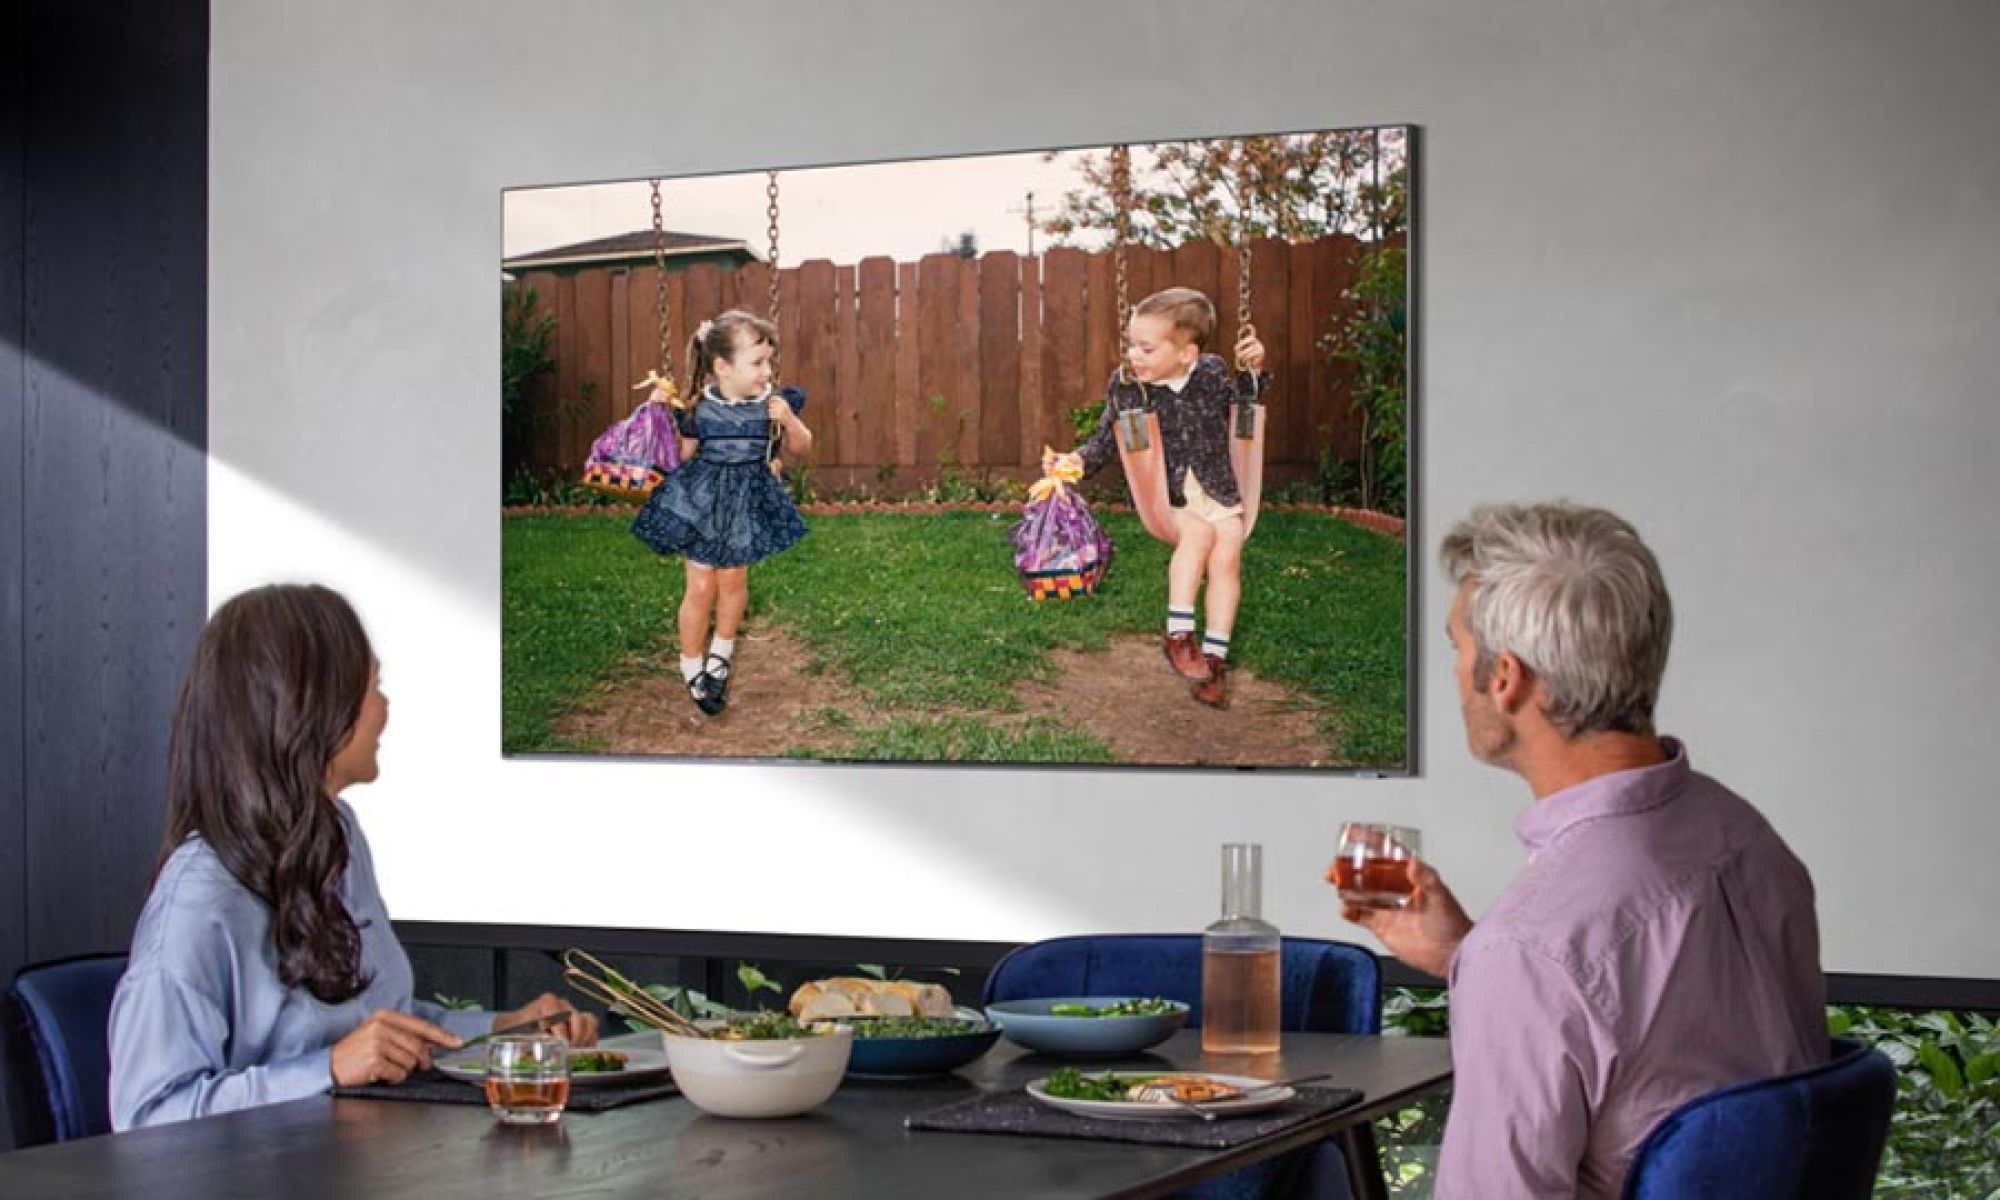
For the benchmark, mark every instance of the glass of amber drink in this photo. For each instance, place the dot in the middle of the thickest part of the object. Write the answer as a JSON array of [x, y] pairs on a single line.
[[1372, 866], [527, 1079]]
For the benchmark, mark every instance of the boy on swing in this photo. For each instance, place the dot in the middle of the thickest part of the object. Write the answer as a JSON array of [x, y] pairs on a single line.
[[1190, 392]]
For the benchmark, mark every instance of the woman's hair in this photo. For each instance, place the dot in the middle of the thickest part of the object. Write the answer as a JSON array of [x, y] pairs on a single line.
[[1190, 312], [721, 337], [276, 686], [1576, 596]]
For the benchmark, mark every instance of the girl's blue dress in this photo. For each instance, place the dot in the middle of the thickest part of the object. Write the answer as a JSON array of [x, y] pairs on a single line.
[[724, 508]]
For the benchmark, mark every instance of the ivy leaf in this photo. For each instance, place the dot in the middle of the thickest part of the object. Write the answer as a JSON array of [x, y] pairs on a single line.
[[1943, 1071], [754, 980]]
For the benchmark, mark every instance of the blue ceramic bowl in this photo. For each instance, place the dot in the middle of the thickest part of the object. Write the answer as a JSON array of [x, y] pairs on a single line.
[[1029, 1023], [919, 1055]]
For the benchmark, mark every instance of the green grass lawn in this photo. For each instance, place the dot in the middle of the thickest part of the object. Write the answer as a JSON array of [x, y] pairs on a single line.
[[924, 615]]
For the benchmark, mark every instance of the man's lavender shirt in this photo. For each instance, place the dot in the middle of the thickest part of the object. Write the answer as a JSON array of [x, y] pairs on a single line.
[[1660, 944]]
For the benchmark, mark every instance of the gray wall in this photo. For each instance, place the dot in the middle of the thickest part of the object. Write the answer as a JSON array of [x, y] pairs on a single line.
[[1731, 269]]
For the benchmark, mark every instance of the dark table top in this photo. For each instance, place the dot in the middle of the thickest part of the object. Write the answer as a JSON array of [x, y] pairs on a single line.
[[853, 1146]]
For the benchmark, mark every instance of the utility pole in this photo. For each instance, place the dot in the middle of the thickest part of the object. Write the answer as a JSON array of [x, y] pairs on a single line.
[[1028, 212]]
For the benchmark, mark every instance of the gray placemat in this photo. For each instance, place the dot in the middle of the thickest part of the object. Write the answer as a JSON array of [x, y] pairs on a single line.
[[1016, 1112], [432, 1088]]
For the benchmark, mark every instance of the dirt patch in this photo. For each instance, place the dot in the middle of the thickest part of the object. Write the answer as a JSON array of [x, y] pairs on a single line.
[[1126, 697], [1130, 699], [775, 705]]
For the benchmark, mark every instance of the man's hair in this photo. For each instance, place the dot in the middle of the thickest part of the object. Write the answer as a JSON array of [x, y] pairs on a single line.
[[1576, 596], [1191, 312]]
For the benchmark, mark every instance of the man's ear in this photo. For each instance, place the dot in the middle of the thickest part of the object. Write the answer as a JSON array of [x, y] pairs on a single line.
[[1510, 682]]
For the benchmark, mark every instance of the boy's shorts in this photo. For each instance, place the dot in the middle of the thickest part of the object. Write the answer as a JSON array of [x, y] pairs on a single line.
[[1203, 505]]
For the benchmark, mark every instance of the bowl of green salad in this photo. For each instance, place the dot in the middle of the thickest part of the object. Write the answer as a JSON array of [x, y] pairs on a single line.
[[899, 1047], [1095, 1026]]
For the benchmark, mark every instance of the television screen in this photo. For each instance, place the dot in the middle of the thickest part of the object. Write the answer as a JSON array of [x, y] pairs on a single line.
[[1090, 456]]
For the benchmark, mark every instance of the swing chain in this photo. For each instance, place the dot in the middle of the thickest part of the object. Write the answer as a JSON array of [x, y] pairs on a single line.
[[1243, 322], [1121, 194], [660, 295], [771, 231]]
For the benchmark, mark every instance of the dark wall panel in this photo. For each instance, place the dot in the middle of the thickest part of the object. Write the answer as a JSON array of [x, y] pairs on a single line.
[[13, 816], [113, 474], [103, 433]]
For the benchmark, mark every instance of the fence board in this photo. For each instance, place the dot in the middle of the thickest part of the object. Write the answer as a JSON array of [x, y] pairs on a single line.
[[968, 396], [642, 322], [812, 363], [1035, 431], [593, 351], [1333, 274], [876, 401], [1300, 370], [562, 294], [618, 398], [937, 316], [908, 385], [999, 334], [1103, 340], [1063, 337], [846, 412]]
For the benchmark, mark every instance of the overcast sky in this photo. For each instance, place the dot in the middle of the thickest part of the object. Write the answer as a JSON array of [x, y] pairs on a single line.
[[904, 210]]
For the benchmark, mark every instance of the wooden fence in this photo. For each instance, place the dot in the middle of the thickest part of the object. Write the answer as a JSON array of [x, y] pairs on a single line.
[[948, 363]]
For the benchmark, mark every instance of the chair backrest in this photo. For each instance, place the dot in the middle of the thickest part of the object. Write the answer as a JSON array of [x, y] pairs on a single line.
[[64, 1011], [1328, 987], [1817, 1133]]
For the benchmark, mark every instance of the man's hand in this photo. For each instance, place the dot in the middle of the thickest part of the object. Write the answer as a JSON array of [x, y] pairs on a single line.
[[1424, 933], [579, 1030], [386, 1047]]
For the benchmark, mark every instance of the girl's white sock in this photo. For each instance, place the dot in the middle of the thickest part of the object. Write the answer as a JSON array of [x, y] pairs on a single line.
[[690, 667], [723, 648]]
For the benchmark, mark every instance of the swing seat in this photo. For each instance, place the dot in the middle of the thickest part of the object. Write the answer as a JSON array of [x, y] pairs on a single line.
[[1145, 462]]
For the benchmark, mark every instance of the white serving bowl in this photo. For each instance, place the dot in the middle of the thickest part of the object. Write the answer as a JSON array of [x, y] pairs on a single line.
[[781, 1077]]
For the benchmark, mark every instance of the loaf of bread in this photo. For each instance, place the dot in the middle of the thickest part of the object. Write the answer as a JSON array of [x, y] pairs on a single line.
[[850, 996]]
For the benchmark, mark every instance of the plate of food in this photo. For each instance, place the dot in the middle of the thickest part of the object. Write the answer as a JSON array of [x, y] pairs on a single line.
[[1146, 1096], [587, 1068], [1088, 1025]]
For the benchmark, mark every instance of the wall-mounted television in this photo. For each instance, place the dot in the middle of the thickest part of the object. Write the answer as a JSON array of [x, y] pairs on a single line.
[[880, 503]]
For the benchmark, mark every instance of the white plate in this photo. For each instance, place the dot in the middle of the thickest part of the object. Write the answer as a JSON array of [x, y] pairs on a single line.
[[1147, 1110], [640, 1066]]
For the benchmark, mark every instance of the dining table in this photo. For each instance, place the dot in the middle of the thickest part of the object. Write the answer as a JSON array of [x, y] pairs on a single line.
[[857, 1144]]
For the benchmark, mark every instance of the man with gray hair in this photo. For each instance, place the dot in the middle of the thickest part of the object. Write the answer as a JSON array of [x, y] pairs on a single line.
[[1661, 941]]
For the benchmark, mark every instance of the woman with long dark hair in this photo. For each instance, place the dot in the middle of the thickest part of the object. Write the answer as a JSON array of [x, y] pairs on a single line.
[[263, 967]]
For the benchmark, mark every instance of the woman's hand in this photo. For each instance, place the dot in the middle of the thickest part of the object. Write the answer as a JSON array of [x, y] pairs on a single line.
[[578, 1030], [386, 1047], [1424, 933]]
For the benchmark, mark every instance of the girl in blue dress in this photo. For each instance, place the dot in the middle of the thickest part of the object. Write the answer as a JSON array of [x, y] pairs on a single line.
[[725, 507]]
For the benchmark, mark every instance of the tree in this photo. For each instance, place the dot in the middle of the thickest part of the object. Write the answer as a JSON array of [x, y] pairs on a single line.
[[965, 245], [1297, 187]]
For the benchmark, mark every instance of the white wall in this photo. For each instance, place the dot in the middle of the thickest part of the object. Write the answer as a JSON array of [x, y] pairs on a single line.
[[1730, 269]]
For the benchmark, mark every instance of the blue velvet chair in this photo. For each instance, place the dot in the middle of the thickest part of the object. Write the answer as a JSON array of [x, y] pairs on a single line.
[[58, 1039], [1818, 1134], [1328, 987]]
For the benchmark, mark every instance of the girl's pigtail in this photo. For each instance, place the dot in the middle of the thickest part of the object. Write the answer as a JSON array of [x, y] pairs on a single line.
[[697, 358]]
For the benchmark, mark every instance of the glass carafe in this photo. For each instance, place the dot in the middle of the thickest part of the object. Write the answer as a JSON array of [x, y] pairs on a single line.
[[1239, 963]]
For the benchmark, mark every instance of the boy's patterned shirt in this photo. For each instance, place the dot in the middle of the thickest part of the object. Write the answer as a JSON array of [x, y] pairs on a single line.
[[1194, 428]]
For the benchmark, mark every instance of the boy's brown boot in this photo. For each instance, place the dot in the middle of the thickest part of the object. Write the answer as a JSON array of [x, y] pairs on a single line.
[[1214, 691], [1185, 657]]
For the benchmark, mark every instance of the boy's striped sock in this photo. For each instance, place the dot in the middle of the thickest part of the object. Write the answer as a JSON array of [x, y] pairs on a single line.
[[1180, 620], [1216, 644]]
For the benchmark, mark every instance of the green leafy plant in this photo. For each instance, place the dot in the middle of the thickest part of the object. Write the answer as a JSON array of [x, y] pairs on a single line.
[[1945, 1137], [459, 1003], [1371, 335], [527, 356]]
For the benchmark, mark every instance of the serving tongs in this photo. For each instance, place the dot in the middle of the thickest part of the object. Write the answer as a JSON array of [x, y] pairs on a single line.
[[587, 975]]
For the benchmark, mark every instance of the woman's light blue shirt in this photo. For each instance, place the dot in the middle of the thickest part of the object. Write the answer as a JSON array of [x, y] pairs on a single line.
[[201, 1024]]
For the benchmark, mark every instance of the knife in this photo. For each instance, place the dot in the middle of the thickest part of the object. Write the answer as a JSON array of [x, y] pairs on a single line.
[[530, 1026]]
